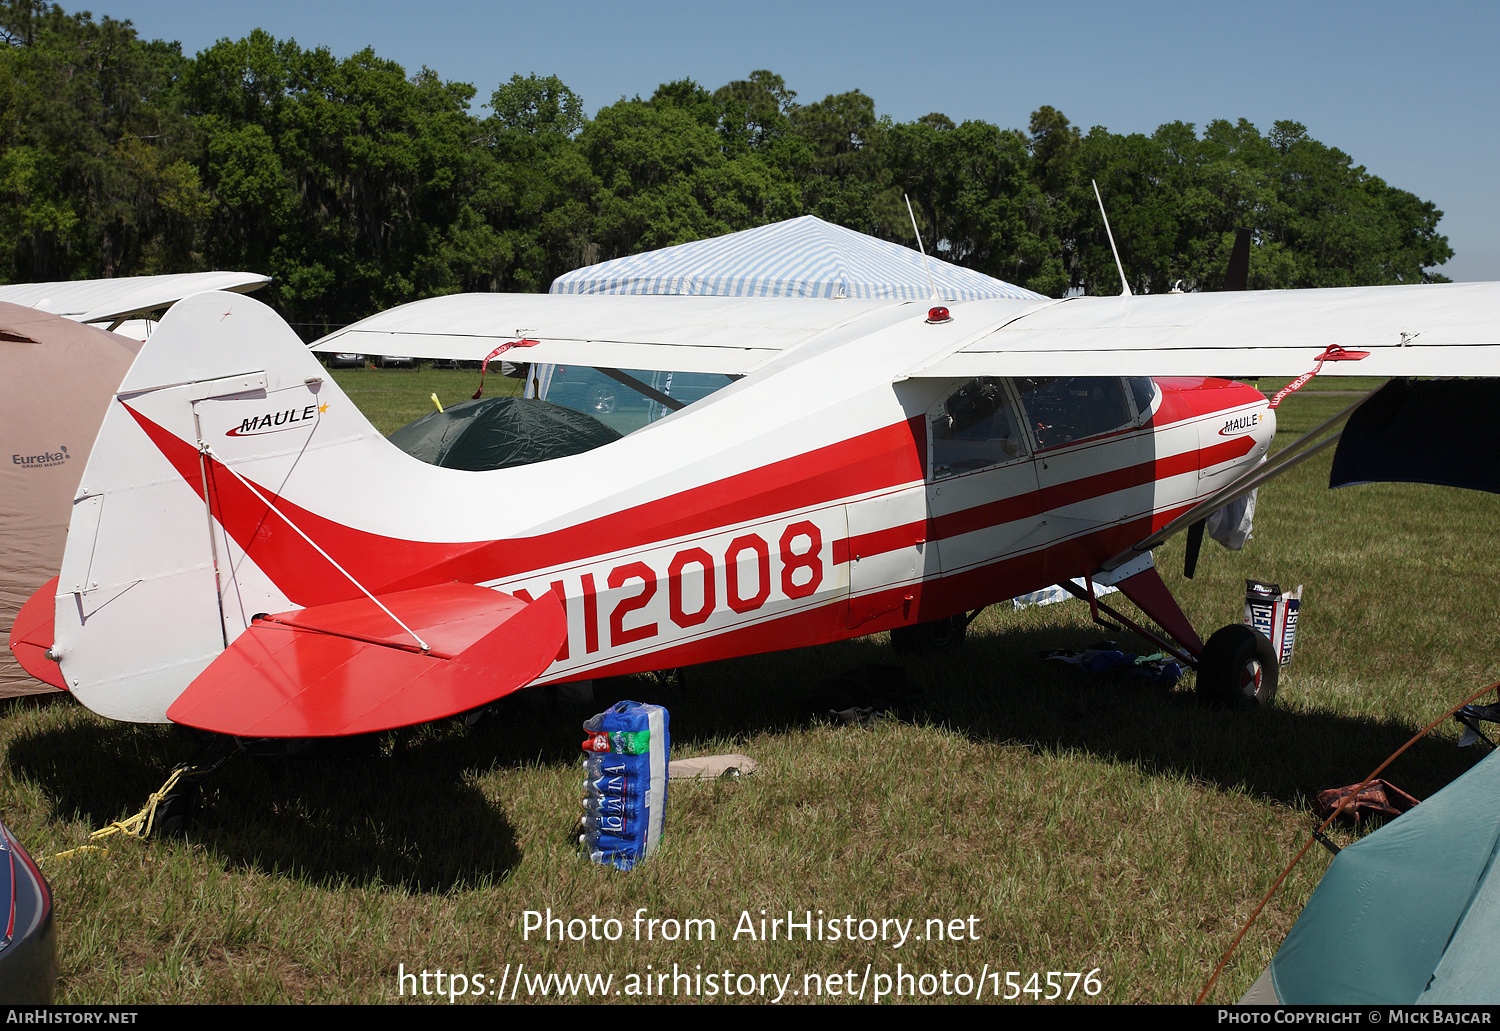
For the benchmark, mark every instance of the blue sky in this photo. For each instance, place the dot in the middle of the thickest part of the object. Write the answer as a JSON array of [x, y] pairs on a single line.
[[1409, 92]]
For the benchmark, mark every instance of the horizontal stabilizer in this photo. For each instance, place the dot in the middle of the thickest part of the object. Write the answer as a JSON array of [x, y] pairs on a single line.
[[349, 668], [31, 636]]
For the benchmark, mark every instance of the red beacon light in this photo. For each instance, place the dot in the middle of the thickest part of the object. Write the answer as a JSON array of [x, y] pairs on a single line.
[[938, 314]]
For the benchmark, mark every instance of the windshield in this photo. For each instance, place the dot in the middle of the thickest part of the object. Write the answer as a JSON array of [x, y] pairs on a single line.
[[618, 405]]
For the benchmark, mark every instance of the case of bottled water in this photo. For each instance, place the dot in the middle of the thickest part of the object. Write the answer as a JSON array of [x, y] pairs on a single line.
[[625, 783]]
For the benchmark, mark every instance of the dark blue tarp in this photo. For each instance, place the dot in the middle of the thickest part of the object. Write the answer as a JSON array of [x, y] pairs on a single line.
[[500, 432], [1424, 431]]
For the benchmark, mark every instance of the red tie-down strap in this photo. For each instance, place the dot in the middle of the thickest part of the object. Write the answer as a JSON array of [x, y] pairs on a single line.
[[484, 366], [1333, 353]]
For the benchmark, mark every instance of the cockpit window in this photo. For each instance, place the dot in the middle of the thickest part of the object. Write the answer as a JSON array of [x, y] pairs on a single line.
[[1143, 391], [1068, 408], [974, 428]]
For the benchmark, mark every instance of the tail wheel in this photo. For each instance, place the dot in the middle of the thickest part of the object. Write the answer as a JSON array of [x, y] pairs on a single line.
[[174, 814], [937, 635], [1239, 668]]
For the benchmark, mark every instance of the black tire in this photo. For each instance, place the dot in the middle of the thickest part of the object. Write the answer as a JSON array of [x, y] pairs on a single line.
[[937, 635], [175, 812], [1239, 668]]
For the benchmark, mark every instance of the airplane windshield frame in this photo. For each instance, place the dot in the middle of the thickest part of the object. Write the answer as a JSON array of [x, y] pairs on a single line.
[[610, 397]]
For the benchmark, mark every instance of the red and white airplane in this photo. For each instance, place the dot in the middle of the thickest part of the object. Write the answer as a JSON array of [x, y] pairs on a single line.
[[248, 555]]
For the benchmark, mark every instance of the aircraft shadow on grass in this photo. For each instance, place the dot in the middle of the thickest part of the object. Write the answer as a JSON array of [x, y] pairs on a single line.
[[996, 689], [403, 809], [356, 811]]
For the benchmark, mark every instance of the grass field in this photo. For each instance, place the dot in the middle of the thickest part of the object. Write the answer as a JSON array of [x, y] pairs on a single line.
[[1060, 821]]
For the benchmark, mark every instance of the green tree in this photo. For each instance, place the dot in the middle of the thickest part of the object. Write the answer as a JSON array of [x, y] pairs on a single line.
[[1334, 224], [846, 179], [973, 187], [665, 177], [1175, 200], [97, 169], [354, 186], [357, 186], [541, 189], [535, 104], [754, 114]]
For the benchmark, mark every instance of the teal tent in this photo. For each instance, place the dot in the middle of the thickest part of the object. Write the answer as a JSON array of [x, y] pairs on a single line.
[[1409, 914]]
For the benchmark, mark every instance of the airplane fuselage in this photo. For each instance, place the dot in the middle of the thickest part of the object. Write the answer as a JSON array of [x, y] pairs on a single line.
[[864, 536], [824, 496]]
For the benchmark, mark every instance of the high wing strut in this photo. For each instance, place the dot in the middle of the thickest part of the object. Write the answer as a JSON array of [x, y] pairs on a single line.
[[642, 388]]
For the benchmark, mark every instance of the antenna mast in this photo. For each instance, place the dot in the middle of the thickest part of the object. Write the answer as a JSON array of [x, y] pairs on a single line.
[[926, 262], [1124, 286]]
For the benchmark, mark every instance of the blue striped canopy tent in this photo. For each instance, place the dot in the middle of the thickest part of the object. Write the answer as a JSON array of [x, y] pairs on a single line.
[[801, 257]]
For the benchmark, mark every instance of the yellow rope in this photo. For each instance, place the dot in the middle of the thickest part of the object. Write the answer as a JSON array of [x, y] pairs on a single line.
[[78, 851], [137, 826]]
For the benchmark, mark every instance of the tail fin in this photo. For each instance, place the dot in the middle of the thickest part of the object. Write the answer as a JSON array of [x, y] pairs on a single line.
[[179, 533]]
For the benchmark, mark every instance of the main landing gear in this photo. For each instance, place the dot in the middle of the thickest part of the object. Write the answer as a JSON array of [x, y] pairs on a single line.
[[1239, 667], [937, 635]]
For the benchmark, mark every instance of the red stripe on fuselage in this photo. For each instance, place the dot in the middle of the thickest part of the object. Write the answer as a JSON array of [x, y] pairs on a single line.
[[1033, 503], [878, 542], [936, 598], [873, 461], [886, 457], [1086, 488]]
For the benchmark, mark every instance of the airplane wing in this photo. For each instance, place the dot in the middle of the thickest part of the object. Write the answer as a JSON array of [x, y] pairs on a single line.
[[730, 335], [1427, 330], [1448, 329], [105, 300]]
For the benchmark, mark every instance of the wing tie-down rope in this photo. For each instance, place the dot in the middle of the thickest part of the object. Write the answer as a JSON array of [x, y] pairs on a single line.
[[142, 823]]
